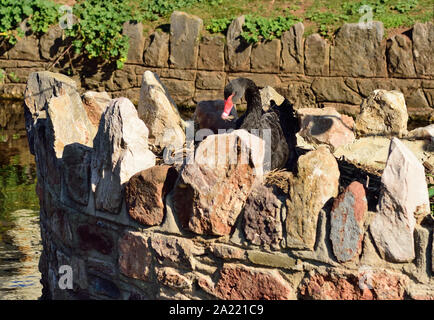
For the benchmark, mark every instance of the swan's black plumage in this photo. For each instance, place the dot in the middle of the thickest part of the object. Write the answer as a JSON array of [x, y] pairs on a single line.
[[256, 118]]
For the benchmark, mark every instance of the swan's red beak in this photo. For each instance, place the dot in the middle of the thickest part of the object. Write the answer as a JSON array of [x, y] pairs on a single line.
[[228, 107]]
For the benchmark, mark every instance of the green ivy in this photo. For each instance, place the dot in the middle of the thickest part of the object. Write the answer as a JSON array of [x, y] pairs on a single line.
[[257, 29], [218, 25], [40, 13], [98, 31]]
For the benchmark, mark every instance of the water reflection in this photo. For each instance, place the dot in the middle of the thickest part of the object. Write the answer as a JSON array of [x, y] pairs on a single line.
[[20, 242]]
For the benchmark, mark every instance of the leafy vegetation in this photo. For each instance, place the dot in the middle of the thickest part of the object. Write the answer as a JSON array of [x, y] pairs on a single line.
[[256, 28], [41, 14], [97, 30], [431, 195]]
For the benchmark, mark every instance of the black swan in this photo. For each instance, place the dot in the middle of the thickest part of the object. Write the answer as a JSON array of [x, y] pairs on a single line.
[[208, 116], [277, 118]]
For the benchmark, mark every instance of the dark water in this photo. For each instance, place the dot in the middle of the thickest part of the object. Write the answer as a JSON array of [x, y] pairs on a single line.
[[20, 243]]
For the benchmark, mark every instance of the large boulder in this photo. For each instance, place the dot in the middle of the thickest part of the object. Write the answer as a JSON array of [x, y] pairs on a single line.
[[359, 51], [120, 151], [316, 182], [325, 126], [404, 194], [383, 113], [184, 39], [213, 188], [160, 114], [95, 103]]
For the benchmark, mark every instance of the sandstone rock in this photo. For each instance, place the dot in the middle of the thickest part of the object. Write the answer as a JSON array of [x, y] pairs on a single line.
[[95, 103], [25, 49], [237, 49], [400, 57], [51, 42], [292, 50], [334, 90], [316, 55], [157, 54], [242, 283], [316, 182], [266, 56], [134, 31], [212, 53], [213, 188], [299, 94], [347, 218], [184, 39], [145, 193], [372, 151], [174, 251], [274, 260], [160, 114], [135, 256], [423, 51], [268, 94], [227, 252], [423, 133], [359, 51], [173, 279], [262, 217], [383, 113], [121, 150], [405, 194], [325, 126], [370, 285]]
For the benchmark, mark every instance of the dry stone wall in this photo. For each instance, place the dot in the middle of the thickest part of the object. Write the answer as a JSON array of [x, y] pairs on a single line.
[[212, 228], [309, 71]]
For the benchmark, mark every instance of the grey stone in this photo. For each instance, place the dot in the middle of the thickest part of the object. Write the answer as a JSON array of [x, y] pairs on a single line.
[[237, 49], [266, 56], [51, 42], [160, 114], [25, 49], [157, 53], [184, 39], [212, 53], [359, 51], [134, 31], [121, 150], [334, 90], [293, 50], [423, 49], [316, 55], [400, 57]]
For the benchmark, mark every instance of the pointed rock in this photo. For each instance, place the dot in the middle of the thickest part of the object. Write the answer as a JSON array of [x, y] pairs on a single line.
[[160, 114], [121, 150], [405, 194], [237, 49]]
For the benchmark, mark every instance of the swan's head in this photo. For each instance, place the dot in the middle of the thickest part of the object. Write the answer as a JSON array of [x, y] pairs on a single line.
[[233, 93]]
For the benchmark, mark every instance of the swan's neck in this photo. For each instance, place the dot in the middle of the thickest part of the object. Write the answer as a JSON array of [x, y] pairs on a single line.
[[254, 106]]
